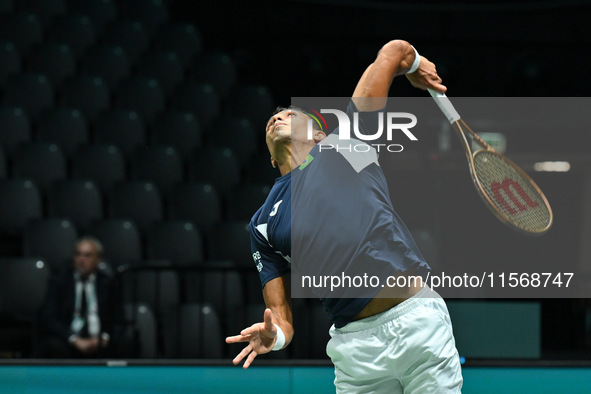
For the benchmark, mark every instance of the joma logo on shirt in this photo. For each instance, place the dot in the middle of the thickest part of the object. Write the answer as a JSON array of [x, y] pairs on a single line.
[[275, 207]]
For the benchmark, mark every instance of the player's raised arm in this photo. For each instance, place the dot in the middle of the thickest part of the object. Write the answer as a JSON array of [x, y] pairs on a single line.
[[276, 330], [396, 58]]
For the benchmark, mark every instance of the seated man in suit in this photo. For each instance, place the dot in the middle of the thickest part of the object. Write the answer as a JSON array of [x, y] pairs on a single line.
[[82, 315]]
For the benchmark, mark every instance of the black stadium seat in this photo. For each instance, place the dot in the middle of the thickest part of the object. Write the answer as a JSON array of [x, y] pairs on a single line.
[[20, 201], [218, 70], [138, 201], [75, 30], [16, 128], [199, 203], [102, 163], [22, 287], [55, 60], [181, 38], [100, 12], [108, 62], [32, 92], [151, 13], [52, 240], [164, 66], [10, 60], [41, 162], [161, 165], [179, 129], [23, 29], [230, 240], [78, 200], [130, 35], [65, 127], [198, 98], [87, 93], [142, 95], [121, 240], [122, 128], [177, 241], [45, 10], [218, 166]]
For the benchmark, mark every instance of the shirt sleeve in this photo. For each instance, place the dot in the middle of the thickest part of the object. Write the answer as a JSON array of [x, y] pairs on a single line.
[[369, 121], [270, 264]]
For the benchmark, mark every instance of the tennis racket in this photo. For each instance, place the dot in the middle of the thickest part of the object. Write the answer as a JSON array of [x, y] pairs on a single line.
[[504, 187]]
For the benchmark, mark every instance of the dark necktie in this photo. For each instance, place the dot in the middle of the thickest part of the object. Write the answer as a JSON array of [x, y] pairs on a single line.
[[84, 312]]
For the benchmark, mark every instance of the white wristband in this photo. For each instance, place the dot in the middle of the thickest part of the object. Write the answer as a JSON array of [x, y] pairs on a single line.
[[415, 64], [280, 342]]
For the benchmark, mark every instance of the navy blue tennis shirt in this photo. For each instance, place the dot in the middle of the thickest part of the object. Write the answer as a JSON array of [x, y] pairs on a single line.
[[332, 216]]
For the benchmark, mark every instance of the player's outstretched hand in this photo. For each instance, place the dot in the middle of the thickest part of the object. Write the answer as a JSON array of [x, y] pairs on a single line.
[[260, 337], [426, 77]]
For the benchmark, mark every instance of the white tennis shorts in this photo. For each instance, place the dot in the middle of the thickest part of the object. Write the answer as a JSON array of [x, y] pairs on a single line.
[[407, 349]]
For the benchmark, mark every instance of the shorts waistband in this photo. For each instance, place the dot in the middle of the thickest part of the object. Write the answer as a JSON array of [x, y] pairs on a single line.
[[393, 313]]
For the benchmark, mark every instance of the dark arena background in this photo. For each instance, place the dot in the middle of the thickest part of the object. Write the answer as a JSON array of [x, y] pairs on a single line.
[[141, 122]]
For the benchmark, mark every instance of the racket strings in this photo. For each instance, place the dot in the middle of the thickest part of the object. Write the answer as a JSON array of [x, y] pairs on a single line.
[[512, 194]]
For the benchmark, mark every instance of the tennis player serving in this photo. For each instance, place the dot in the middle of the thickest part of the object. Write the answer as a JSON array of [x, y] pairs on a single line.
[[336, 207]]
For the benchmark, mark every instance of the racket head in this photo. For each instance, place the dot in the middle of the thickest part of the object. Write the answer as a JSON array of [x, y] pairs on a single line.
[[510, 193], [507, 190]]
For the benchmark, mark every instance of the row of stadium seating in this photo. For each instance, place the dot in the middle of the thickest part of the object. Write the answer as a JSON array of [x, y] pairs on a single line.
[[116, 122]]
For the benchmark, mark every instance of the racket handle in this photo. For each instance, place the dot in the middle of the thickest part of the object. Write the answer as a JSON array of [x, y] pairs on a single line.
[[445, 106]]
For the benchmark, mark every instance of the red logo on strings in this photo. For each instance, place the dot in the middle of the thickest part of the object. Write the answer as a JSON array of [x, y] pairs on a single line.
[[506, 186]]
